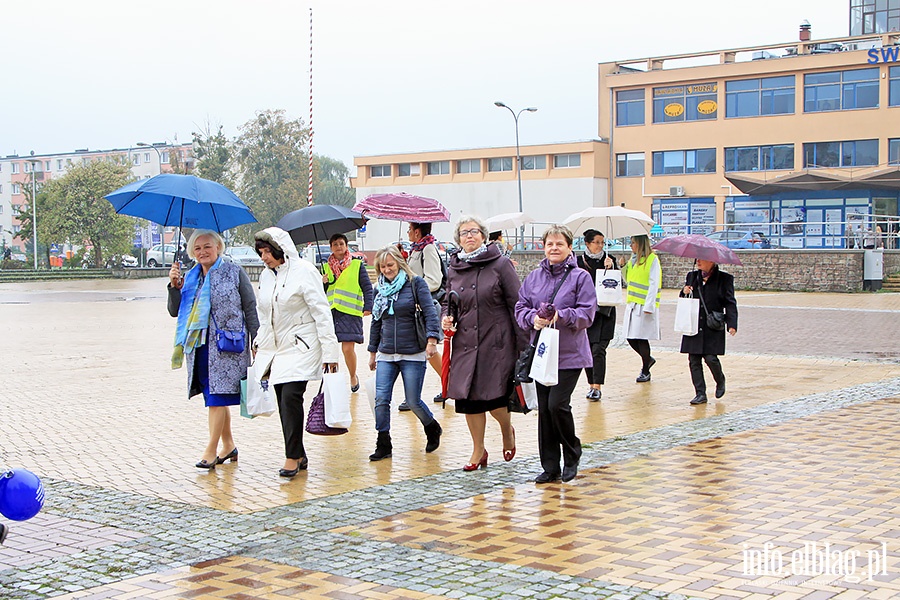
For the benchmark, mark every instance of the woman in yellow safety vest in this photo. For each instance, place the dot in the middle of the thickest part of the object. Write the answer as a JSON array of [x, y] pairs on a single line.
[[641, 324], [349, 292]]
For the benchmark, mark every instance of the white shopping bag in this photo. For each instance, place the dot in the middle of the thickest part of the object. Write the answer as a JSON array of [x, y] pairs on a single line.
[[370, 393], [260, 395], [687, 316], [545, 367], [337, 400], [609, 287], [529, 391]]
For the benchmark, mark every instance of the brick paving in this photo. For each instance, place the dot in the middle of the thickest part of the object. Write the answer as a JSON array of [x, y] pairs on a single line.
[[667, 494]]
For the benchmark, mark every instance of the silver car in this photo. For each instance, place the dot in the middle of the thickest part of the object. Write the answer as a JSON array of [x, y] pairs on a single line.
[[244, 256]]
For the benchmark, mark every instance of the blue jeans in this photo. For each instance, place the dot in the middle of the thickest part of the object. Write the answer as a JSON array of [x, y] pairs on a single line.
[[413, 372]]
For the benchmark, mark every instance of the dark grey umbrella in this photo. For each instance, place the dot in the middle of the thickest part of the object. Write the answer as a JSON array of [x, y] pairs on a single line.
[[319, 222]]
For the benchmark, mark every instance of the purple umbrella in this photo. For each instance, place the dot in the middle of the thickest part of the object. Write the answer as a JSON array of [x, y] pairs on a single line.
[[402, 207], [698, 246]]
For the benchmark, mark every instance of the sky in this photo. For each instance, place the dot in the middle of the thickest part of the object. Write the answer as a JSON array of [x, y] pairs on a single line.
[[388, 77]]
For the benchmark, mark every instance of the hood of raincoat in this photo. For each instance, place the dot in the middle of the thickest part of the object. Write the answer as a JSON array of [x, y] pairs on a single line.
[[280, 239]]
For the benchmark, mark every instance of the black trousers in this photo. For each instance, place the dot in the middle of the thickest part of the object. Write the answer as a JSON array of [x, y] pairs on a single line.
[[695, 362], [597, 373], [556, 426], [642, 347], [290, 409]]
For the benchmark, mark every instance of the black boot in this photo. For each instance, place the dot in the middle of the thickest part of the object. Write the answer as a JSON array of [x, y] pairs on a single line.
[[383, 446], [695, 362], [715, 366], [433, 432], [700, 398]]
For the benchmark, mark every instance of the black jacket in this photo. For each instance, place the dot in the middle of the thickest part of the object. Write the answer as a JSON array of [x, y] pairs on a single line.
[[396, 333], [718, 293], [604, 325]]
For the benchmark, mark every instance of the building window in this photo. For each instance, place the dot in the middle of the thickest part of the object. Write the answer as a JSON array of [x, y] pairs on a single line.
[[841, 90], [146, 157], [695, 102], [630, 164], [16, 189], [894, 151], [409, 169], [15, 168], [874, 16], [564, 161], [380, 171], [164, 157], [439, 167], [894, 89], [629, 108], [500, 164], [678, 162], [533, 163], [759, 158], [470, 165], [59, 164], [136, 159], [1, 191], [858, 153], [755, 97]]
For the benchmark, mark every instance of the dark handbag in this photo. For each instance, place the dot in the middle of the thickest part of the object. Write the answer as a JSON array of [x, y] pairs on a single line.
[[516, 400], [315, 419], [526, 356], [715, 320], [421, 335], [229, 341]]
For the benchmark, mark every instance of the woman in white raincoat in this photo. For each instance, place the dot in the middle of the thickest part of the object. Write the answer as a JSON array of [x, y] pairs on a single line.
[[296, 340], [641, 322]]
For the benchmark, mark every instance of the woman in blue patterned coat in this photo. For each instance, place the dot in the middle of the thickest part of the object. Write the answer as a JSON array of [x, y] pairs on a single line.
[[214, 294]]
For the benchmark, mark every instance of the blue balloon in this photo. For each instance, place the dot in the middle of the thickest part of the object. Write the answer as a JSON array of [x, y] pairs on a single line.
[[21, 494]]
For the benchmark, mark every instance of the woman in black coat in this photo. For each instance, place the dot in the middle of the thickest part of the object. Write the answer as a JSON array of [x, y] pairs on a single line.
[[603, 329], [717, 291]]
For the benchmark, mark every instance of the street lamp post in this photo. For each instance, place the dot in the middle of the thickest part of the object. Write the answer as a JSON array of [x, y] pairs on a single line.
[[518, 160], [34, 237], [162, 237]]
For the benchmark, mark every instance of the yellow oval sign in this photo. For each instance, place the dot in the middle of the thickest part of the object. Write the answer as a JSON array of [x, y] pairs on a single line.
[[707, 107], [673, 110]]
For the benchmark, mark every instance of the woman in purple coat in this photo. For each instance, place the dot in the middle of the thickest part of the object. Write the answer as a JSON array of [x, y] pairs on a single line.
[[572, 311], [484, 286]]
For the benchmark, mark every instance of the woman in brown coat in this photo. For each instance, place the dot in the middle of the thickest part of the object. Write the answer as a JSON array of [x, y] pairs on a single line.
[[484, 345]]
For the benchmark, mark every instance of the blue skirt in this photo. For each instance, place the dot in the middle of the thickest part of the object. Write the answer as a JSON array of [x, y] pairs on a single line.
[[202, 365]]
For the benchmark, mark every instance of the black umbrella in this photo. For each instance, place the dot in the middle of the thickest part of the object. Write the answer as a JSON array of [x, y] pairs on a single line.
[[319, 222]]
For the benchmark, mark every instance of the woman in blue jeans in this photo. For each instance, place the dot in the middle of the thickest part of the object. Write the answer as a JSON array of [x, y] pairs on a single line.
[[394, 347]]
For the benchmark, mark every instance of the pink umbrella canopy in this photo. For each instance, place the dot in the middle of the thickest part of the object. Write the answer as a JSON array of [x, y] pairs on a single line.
[[698, 246], [403, 207]]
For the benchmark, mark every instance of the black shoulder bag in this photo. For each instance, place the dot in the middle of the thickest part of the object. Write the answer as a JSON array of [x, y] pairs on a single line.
[[526, 357], [714, 320], [421, 332]]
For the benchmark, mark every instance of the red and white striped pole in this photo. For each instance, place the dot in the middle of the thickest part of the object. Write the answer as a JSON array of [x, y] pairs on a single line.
[[309, 196]]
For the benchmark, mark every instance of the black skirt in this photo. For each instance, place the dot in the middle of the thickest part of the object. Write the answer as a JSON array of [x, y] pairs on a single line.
[[478, 407]]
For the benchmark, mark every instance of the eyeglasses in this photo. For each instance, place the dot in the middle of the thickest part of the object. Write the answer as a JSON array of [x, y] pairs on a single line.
[[467, 232]]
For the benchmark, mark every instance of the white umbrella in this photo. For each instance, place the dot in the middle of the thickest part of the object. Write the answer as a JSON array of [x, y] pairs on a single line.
[[507, 221], [612, 221]]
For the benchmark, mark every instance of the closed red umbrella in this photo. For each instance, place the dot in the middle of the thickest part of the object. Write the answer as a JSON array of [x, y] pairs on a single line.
[[453, 313]]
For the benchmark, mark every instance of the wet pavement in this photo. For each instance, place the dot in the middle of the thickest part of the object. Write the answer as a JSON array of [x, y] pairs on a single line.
[[671, 500]]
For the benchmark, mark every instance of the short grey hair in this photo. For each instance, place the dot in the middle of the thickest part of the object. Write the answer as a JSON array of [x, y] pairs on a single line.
[[470, 219], [559, 230], [200, 233]]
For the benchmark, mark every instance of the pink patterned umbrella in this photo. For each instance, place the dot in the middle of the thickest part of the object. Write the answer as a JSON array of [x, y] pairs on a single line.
[[402, 207], [698, 246]]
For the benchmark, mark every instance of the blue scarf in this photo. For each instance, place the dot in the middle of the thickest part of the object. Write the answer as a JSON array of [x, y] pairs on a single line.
[[193, 313], [387, 294]]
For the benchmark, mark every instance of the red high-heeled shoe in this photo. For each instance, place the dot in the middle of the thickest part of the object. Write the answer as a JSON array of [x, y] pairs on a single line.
[[474, 466], [508, 455]]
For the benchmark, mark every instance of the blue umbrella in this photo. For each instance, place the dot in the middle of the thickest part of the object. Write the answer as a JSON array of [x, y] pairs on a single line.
[[182, 201]]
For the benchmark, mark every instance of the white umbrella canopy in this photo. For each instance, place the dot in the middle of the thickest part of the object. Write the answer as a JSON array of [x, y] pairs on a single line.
[[612, 221], [507, 221]]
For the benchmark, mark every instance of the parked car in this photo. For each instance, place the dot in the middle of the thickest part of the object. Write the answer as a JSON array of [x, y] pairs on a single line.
[[244, 256], [321, 256], [155, 255], [738, 239], [355, 252], [445, 248], [124, 260]]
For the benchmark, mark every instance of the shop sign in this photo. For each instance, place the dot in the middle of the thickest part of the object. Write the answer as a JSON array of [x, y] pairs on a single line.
[[886, 55], [707, 107], [673, 110]]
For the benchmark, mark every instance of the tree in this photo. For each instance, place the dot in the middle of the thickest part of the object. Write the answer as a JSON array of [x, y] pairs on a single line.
[[213, 152], [331, 182], [73, 209], [271, 160]]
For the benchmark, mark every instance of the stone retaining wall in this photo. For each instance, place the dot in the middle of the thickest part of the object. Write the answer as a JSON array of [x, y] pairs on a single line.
[[775, 270]]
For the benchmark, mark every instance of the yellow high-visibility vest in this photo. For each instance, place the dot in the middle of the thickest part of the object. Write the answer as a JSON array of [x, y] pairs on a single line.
[[345, 294], [638, 276]]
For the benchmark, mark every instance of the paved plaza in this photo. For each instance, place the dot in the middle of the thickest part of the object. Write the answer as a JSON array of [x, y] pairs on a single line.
[[786, 487]]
